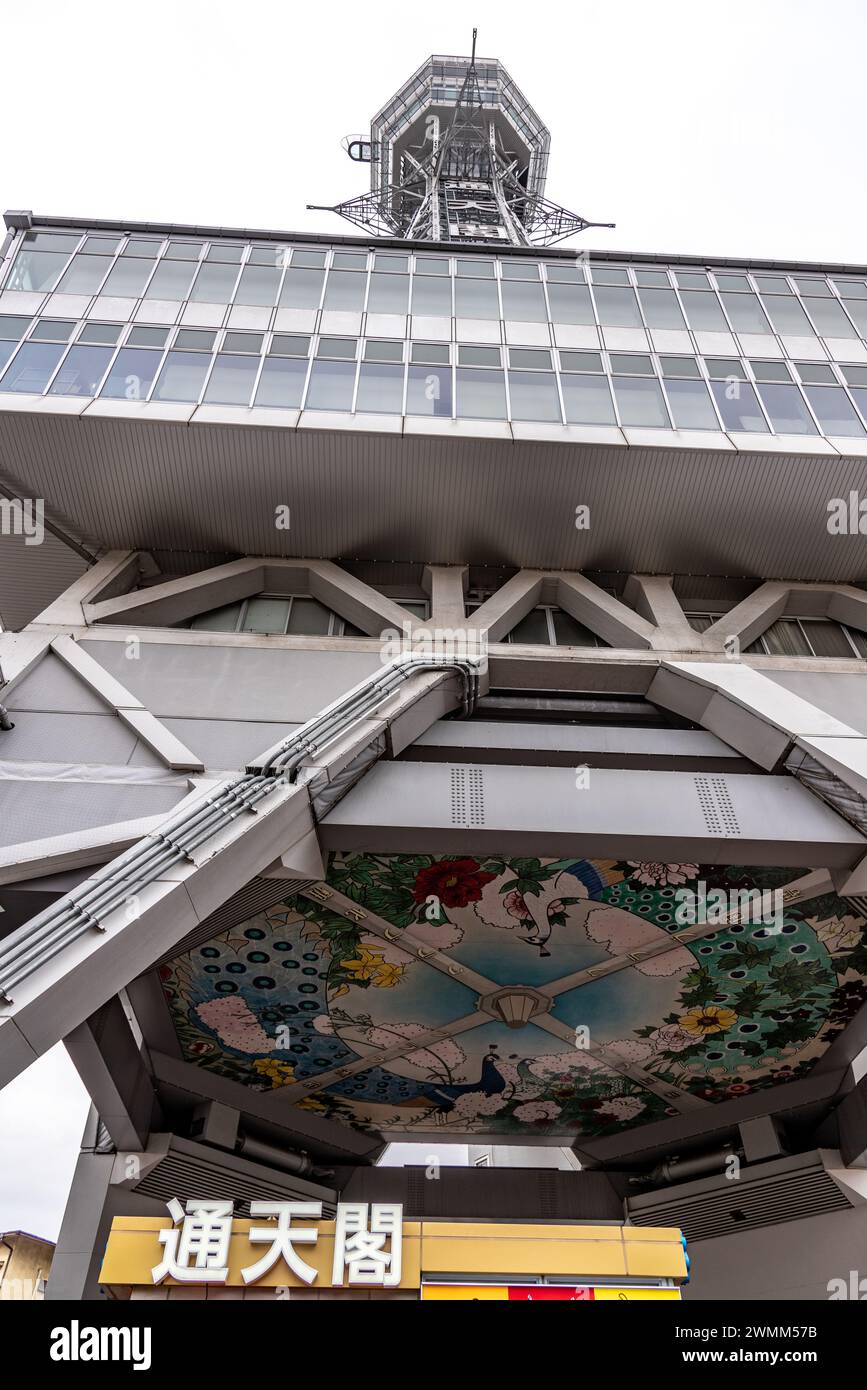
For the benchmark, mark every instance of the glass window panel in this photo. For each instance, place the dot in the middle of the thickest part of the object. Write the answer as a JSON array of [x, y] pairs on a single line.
[[570, 304], [220, 251], [860, 640], [534, 396], [699, 622], [331, 385], [30, 369], [6, 351], [102, 333], [36, 270], [182, 376], [429, 391], [282, 382], [430, 352], [829, 319], [139, 247], [265, 615], [787, 316], [816, 372], [566, 272], [394, 265], [772, 284], [661, 309], [380, 388], [852, 289], [231, 381], [725, 367], [745, 313], [785, 638], [570, 633], [733, 282], [309, 618], [223, 619], [184, 250], [771, 371], [53, 331], [640, 402], [538, 358], [381, 350], [857, 309], [430, 265], [533, 629], [617, 308], [787, 409], [859, 395], [679, 366], [834, 410], [388, 294], [344, 291], [703, 311], [132, 374], [302, 289], [171, 280], [289, 345], [128, 277], [813, 287], [656, 279], [692, 280], [738, 406], [202, 339], [81, 372], [524, 301], [632, 363], [476, 299], [855, 376], [258, 285], [13, 326], [214, 284], [147, 337], [519, 270], [609, 275], [243, 342], [478, 356], [484, 269], [276, 255], [431, 296], [308, 258], [580, 361], [827, 639], [350, 260], [336, 347], [481, 394], [691, 405], [52, 241], [85, 274], [587, 400]]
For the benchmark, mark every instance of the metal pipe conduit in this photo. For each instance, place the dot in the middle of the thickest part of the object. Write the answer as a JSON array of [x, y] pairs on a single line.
[[123, 879]]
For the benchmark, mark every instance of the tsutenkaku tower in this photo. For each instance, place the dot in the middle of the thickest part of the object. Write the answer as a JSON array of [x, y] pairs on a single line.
[[458, 155]]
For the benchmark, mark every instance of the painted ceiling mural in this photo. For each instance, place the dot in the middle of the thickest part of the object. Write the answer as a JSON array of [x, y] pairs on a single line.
[[479, 996]]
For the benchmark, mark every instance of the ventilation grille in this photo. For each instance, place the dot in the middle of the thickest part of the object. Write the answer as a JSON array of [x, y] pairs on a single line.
[[745, 1205], [188, 1176], [716, 806], [468, 795], [859, 904]]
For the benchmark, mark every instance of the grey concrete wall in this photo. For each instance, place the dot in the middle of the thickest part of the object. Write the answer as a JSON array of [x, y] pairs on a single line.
[[793, 1261]]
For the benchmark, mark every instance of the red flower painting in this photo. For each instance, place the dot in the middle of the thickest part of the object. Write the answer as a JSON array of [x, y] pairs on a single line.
[[455, 882]]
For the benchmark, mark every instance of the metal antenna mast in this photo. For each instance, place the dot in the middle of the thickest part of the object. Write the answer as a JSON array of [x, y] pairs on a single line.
[[458, 155]]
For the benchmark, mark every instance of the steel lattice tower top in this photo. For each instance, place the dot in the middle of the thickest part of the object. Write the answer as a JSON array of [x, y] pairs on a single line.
[[458, 155]]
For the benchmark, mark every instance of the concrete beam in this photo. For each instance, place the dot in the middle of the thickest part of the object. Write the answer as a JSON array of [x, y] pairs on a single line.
[[605, 615], [109, 1062]]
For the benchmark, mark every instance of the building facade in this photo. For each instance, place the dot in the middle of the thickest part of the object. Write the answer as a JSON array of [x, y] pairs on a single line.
[[433, 708]]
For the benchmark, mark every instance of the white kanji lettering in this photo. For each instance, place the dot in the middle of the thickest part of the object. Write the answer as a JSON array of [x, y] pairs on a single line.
[[283, 1238], [200, 1232], [360, 1235]]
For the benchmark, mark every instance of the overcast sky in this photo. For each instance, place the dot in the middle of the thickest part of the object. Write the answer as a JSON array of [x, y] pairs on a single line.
[[731, 130]]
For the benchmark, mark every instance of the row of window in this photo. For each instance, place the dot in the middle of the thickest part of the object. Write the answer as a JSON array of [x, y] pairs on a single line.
[[546, 625], [629, 389], [481, 288]]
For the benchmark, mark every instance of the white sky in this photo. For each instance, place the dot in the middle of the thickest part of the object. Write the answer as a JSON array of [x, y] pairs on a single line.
[[733, 129]]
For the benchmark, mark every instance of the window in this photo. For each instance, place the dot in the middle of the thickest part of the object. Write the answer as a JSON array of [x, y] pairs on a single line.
[[37, 270], [549, 626], [282, 381], [587, 399], [232, 380], [383, 350], [692, 280], [182, 376], [85, 274], [331, 384], [128, 277], [739, 407], [570, 303], [132, 374], [171, 280], [679, 366], [771, 371], [610, 275], [30, 369], [809, 637], [258, 285], [703, 312], [524, 301], [534, 396], [214, 284], [617, 308], [661, 309], [746, 314], [147, 337], [389, 293], [691, 405], [787, 316], [243, 342], [476, 299], [787, 409], [302, 288], [344, 291], [655, 279], [481, 394], [834, 410], [640, 402], [380, 388], [429, 389], [430, 296], [829, 319], [81, 372], [106, 334], [269, 614]]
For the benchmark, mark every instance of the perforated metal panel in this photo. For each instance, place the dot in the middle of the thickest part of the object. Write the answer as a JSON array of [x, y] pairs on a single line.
[[716, 806], [467, 795]]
